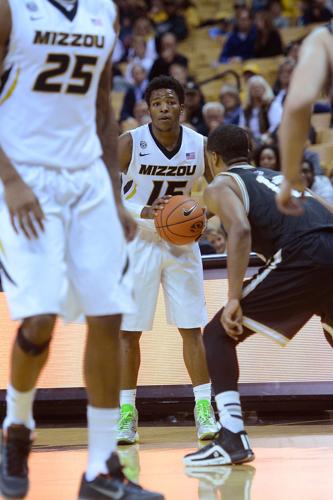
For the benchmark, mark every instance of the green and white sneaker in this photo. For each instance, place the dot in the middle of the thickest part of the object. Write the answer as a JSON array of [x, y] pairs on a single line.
[[205, 420], [128, 425]]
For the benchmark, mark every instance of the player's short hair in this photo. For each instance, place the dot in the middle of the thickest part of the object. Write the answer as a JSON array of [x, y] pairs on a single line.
[[230, 142], [165, 82]]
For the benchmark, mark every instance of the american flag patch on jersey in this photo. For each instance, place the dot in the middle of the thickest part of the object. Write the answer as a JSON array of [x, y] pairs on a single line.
[[190, 156]]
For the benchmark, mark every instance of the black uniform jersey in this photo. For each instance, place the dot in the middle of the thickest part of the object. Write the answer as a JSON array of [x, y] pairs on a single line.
[[270, 229]]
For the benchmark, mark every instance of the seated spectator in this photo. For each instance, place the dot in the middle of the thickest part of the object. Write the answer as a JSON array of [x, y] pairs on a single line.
[[316, 12], [240, 43], [267, 156], [319, 184], [256, 110], [278, 19], [137, 56], [268, 40], [168, 55], [281, 85], [250, 69], [217, 238], [194, 102], [135, 92], [140, 117], [213, 114], [180, 73], [230, 99], [157, 12], [143, 28], [174, 23], [129, 12]]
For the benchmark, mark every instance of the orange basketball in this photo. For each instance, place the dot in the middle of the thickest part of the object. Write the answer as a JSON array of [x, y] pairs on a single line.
[[181, 221]]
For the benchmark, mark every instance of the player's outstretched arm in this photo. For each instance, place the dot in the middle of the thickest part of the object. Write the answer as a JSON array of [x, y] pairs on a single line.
[[223, 198], [309, 78], [22, 204]]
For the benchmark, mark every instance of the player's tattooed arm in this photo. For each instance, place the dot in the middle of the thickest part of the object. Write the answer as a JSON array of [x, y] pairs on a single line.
[[223, 198], [25, 211]]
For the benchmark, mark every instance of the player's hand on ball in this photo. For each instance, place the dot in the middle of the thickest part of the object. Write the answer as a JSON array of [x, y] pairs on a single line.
[[286, 202], [232, 318], [158, 205], [25, 211], [128, 223]]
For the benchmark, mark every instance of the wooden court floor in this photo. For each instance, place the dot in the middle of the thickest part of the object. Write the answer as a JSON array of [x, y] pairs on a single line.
[[293, 462]]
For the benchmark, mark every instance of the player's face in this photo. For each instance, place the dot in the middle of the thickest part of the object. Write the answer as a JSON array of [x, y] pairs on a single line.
[[165, 109]]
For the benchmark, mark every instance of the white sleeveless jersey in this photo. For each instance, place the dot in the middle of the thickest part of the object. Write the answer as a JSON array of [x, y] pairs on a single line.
[[154, 172], [49, 85]]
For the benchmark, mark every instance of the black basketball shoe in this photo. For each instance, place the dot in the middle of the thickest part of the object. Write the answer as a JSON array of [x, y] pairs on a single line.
[[15, 448], [226, 449], [114, 485]]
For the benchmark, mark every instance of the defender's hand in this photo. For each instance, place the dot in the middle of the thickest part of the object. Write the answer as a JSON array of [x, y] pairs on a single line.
[[24, 208], [232, 318], [288, 204], [151, 211], [128, 223]]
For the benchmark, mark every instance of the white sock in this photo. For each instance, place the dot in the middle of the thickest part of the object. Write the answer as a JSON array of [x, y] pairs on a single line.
[[19, 408], [102, 439], [202, 391], [230, 411], [127, 397]]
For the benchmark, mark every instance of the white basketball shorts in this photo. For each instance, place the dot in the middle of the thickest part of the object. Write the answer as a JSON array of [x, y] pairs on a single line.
[[79, 264], [179, 270]]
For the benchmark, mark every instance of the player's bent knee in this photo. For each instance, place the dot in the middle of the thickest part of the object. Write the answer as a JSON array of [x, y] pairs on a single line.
[[35, 333]]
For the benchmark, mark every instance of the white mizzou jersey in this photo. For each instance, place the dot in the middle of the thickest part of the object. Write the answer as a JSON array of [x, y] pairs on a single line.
[[154, 171], [50, 79]]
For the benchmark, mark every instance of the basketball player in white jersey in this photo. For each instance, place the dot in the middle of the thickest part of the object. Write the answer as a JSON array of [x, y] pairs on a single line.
[[158, 160], [315, 66], [62, 228]]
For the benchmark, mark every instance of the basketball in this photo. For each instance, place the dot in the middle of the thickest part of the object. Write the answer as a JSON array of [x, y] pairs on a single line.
[[181, 221]]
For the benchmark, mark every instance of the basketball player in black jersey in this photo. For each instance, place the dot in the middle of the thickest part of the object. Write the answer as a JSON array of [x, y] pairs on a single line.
[[312, 73], [295, 283]]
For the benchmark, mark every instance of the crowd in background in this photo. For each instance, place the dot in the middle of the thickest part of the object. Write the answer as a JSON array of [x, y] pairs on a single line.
[[149, 46]]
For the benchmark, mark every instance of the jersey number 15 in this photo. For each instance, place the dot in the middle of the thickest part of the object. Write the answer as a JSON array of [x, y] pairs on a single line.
[[61, 64]]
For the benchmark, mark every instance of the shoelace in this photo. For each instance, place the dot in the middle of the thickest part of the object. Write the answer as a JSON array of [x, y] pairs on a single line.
[[204, 414], [125, 422], [17, 452]]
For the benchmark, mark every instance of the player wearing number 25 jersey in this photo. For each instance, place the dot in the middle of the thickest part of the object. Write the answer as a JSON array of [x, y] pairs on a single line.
[[61, 226], [157, 160]]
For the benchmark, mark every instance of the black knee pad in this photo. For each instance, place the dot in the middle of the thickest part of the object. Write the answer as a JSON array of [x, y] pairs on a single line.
[[29, 347]]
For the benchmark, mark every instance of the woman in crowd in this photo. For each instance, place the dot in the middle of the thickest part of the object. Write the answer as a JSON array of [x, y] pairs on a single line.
[[267, 156]]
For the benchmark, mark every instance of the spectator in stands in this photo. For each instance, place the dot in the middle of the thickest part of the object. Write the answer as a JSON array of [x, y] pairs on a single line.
[[143, 28], [281, 88], [217, 239], [256, 111], [292, 49], [316, 12], [230, 99], [267, 156], [250, 69], [129, 11], [320, 184], [137, 56], [194, 102], [135, 92], [268, 40], [174, 23], [240, 43], [140, 117], [180, 73], [278, 19], [213, 115], [168, 55]]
